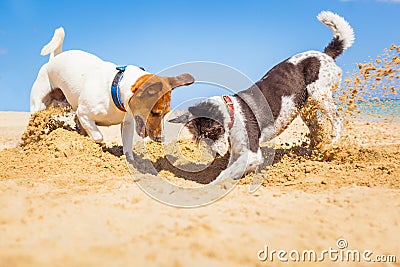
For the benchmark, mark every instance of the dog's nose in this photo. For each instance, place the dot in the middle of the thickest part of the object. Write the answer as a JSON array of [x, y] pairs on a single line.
[[159, 139]]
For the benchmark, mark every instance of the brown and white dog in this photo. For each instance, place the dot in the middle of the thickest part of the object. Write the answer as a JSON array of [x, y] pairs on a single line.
[[241, 122], [102, 94]]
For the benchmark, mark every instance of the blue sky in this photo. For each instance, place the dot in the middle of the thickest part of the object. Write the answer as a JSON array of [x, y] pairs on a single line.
[[251, 36]]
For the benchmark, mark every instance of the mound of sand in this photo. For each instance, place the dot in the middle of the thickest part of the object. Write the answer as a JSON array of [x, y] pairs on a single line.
[[61, 152], [44, 122]]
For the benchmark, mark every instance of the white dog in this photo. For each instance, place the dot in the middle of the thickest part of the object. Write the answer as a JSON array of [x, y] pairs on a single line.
[[102, 94], [242, 121]]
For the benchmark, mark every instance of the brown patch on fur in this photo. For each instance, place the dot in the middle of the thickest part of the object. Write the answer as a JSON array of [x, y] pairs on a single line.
[[140, 81]]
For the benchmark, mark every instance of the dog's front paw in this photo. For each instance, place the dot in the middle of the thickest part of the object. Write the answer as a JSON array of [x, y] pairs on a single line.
[[129, 157], [217, 180], [223, 176], [224, 183], [97, 137]]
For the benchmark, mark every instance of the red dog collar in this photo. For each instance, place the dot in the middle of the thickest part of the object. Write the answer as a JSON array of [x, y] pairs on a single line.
[[231, 109]]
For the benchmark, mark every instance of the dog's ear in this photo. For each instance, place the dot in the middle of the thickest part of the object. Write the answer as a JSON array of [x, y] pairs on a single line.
[[140, 82], [184, 118], [181, 80], [154, 88]]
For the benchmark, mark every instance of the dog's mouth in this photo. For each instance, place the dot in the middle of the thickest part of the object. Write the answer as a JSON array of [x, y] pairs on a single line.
[[140, 126]]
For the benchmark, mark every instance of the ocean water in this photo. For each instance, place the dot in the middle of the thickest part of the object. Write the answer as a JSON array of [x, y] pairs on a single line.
[[379, 111]]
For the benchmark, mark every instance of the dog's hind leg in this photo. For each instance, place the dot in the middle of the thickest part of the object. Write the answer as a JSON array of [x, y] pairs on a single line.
[[315, 123], [328, 108], [89, 125], [40, 89]]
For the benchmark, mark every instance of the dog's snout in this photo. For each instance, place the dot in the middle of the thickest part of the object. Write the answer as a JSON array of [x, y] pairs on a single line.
[[159, 139]]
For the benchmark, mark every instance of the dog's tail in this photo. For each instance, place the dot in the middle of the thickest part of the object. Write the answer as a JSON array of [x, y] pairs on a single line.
[[54, 47], [343, 34]]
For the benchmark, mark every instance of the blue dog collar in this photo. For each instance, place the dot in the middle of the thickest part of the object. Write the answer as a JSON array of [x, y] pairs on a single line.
[[116, 91]]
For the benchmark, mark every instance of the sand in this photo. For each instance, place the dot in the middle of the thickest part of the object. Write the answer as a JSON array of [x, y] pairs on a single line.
[[67, 201]]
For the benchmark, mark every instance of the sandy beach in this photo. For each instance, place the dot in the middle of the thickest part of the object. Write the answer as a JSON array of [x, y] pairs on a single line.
[[65, 201]]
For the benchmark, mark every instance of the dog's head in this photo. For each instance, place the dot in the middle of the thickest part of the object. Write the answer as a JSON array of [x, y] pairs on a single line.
[[205, 121], [151, 101]]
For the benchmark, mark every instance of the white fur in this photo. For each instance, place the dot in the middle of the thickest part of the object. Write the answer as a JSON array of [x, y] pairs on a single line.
[[221, 146], [238, 134], [86, 83], [286, 115], [54, 47], [311, 53], [339, 26]]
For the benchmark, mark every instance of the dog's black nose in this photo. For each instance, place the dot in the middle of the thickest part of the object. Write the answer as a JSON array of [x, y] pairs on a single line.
[[158, 139]]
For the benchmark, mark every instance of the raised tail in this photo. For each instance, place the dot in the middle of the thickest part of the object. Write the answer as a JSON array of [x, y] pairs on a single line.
[[343, 34], [54, 47]]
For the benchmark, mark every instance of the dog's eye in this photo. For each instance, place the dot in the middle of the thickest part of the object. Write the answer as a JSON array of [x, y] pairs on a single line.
[[156, 113]]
